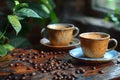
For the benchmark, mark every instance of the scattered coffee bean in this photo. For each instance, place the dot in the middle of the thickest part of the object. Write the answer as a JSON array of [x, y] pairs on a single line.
[[28, 68], [16, 77], [82, 70], [25, 74], [101, 72], [17, 64], [13, 54], [9, 77], [77, 72], [23, 78], [33, 74], [118, 61], [69, 61], [23, 54], [64, 76], [11, 65], [42, 56], [93, 68], [35, 57], [42, 52], [23, 59]]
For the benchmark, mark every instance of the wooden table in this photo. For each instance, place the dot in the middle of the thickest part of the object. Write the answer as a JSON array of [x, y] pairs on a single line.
[[21, 64]]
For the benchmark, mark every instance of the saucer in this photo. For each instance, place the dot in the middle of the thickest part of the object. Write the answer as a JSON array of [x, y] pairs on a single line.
[[73, 44], [78, 54]]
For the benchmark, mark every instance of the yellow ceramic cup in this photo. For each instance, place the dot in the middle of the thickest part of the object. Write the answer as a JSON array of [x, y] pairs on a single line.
[[61, 34], [95, 44]]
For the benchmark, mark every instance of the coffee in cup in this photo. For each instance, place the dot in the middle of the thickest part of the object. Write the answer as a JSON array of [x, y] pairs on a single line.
[[61, 34], [95, 44]]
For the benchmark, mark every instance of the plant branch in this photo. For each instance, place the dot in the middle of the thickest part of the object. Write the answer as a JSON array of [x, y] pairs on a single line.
[[4, 31]]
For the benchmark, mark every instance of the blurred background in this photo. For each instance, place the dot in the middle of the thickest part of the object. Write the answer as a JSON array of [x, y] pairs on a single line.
[[87, 15]]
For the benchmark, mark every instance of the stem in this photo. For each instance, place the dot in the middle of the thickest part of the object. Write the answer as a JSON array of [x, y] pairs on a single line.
[[4, 31], [16, 3]]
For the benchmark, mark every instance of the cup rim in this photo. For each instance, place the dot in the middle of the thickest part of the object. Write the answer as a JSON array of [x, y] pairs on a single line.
[[107, 35], [72, 26]]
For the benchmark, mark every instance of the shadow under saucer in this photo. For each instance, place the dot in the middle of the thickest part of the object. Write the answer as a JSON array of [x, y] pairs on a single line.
[[73, 44]]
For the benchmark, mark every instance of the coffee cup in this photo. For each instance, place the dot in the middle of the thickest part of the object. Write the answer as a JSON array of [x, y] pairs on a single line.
[[61, 34], [95, 44]]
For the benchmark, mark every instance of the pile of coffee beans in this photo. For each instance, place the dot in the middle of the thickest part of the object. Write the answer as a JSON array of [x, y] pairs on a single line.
[[54, 64], [44, 62], [25, 76], [64, 76]]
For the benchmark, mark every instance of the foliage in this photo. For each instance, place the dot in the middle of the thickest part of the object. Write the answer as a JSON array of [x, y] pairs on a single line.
[[21, 10], [114, 17]]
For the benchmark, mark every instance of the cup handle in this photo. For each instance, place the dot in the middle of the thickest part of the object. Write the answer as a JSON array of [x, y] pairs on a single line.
[[76, 31], [43, 32], [115, 44]]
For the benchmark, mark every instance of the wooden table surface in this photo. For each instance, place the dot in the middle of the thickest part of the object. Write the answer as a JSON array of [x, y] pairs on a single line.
[[50, 65]]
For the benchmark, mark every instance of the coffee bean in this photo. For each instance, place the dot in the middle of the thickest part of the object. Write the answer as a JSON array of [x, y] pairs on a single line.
[[51, 53], [20, 56], [69, 61], [30, 61], [59, 52], [16, 77], [9, 77], [28, 56], [23, 59], [93, 68], [13, 54], [40, 64], [28, 68], [101, 72], [77, 72], [18, 59], [25, 74], [34, 62], [33, 74], [23, 54], [74, 76], [69, 77], [82, 70], [118, 61], [23, 78], [35, 57], [42, 56], [42, 52], [55, 53], [11, 65], [55, 78], [70, 66], [17, 64]]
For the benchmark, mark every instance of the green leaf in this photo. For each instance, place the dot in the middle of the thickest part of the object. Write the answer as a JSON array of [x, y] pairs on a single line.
[[16, 2], [8, 47], [53, 17], [19, 6], [26, 12], [19, 42], [37, 7], [15, 23], [49, 3], [45, 8], [3, 51]]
